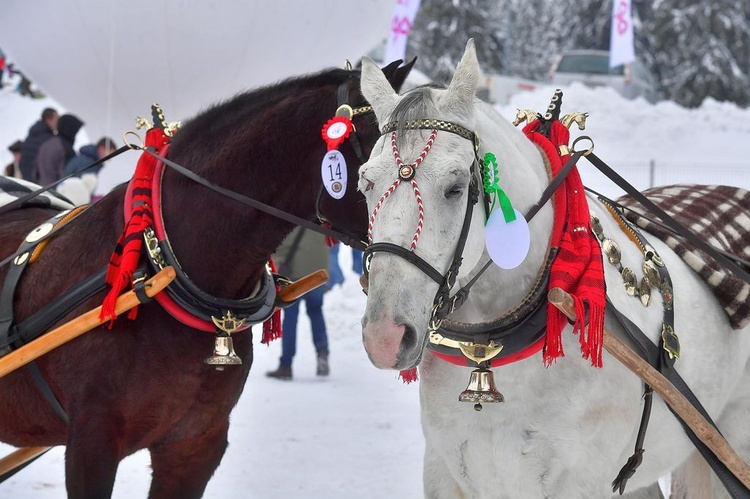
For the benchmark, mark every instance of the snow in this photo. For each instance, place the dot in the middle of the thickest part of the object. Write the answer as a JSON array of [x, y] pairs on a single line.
[[357, 432]]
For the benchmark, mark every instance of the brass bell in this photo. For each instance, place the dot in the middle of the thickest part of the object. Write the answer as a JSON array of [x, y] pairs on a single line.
[[481, 389], [223, 353]]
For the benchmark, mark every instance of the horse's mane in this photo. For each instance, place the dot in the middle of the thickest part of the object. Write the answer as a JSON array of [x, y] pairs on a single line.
[[251, 104]]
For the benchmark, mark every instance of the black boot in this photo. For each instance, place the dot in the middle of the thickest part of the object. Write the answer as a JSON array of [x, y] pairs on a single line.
[[323, 368], [282, 372]]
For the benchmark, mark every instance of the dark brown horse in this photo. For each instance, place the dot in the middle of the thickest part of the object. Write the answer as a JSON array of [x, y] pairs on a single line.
[[144, 383]]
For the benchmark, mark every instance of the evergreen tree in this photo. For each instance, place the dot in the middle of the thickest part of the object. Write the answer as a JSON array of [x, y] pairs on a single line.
[[539, 31], [695, 48], [700, 48], [442, 28]]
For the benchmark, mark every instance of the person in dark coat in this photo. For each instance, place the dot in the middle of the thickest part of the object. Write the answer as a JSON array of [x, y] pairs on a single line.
[[39, 133], [58, 150], [302, 253], [88, 155], [13, 169]]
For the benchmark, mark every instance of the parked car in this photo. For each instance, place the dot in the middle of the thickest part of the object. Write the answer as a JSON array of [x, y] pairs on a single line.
[[591, 67]]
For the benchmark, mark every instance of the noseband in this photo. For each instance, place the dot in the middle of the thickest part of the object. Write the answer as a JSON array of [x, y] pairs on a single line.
[[442, 305]]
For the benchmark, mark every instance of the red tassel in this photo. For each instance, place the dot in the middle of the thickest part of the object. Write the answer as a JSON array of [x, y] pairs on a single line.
[[330, 241], [272, 326], [409, 376], [553, 342]]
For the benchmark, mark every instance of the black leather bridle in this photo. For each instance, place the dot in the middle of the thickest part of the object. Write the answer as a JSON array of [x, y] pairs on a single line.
[[345, 109], [442, 304]]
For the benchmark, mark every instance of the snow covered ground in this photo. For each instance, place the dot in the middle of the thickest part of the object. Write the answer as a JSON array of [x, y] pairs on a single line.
[[357, 433]]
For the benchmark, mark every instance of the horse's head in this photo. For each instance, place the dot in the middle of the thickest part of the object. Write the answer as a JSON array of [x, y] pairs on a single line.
[[349, 213], [419, 183]]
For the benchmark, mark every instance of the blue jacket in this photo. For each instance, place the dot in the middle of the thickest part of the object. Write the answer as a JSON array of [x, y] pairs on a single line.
[[88, 155]]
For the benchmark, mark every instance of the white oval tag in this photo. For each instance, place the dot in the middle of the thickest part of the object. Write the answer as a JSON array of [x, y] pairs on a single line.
[[507, 243], [334, 174]]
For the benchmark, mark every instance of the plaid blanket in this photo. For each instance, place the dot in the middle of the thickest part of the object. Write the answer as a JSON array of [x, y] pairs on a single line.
[[720, 215], [13, 188]]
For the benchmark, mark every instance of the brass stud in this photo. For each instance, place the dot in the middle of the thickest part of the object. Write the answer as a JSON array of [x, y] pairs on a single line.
[[652, 275], [612, 251], [628, 276], [644, 292], [596, 225]]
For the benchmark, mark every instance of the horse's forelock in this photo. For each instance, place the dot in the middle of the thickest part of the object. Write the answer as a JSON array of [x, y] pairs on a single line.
[[414, 105]]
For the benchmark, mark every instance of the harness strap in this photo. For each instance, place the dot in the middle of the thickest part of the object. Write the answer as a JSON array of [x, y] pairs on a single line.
[[185, 294], [463, 294], [675, 226], [651, 353], [27, 249]]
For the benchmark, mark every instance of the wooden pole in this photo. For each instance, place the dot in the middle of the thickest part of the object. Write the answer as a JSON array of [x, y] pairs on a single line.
[[20, 457], [90, 320], [304, 285], [706, 432], [80, 325], [125, 302]]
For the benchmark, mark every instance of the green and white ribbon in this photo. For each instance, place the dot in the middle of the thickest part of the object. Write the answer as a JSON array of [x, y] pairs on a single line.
[[492, 188]]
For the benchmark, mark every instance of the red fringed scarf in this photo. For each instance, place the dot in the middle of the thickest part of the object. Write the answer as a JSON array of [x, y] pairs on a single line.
[[272, 326], [578, 267], [124, 259]]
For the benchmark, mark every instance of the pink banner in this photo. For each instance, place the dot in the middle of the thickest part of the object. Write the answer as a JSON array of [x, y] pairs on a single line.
[[401, 22], [621, 49]]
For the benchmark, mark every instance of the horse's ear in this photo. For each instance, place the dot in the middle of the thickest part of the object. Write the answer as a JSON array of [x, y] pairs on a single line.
[[377, 90], [465, 80], [397, 74]]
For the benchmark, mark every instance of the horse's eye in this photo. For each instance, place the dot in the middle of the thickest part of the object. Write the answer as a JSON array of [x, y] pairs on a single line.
[[454, 191]]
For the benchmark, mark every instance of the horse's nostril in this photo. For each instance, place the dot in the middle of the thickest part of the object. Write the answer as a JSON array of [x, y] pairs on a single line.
[[409, 341]]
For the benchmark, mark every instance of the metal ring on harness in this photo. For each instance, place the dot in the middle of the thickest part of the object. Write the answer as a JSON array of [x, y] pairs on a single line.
[[582, 137], [131, 144]]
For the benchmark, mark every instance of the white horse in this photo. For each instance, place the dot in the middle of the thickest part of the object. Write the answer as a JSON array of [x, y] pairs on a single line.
[[563, 431]]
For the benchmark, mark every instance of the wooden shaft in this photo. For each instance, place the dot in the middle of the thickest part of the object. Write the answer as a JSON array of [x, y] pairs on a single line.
[[19, 457], [80, 325], [706, 432], [303, 285], [90, 320]]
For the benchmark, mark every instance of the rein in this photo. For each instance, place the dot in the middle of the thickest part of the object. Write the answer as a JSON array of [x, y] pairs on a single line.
[[253, 203], [444, 304], [16, 203]]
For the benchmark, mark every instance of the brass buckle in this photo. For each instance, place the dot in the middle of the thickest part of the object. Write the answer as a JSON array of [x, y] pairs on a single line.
[[152, 246]]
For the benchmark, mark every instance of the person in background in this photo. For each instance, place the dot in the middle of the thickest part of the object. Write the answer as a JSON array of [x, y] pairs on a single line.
[[39, 133], [301, 253], [56, 151], [2, 66], [88, 155], [357, 261], [14, 169], [336, 276]]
